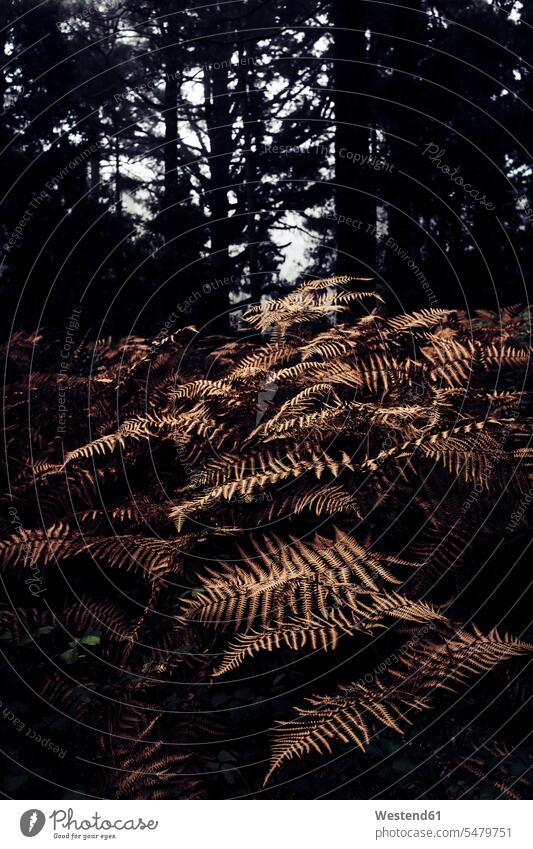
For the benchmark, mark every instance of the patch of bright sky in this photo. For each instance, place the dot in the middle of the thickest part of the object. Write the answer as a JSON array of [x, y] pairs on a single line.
[[297, 254], [437, 18], [516, 170], [516, 11], [322, 45], [193, 90]]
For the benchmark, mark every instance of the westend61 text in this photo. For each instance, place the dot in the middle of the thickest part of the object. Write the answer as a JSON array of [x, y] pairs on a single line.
[[407, 815]]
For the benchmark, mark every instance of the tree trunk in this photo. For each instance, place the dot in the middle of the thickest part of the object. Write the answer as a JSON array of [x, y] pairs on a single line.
[[118, 178], [251, 123], [219, 129], [170, 195], [355, 183]]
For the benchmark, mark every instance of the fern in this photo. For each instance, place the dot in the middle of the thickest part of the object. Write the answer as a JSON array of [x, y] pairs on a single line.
[[350, 716], [347, 520]]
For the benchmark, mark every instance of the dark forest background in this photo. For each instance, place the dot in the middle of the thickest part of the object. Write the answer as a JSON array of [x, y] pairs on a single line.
[[153, 152]]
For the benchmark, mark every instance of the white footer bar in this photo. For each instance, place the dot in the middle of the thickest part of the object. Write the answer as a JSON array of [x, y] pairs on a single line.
[[269, 824]]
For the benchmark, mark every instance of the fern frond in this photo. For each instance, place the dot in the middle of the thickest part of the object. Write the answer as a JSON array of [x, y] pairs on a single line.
[[435, 444], [140, 427], [273, 470], [302, 306], [151, 555], [323, 500], [288, 580], [316, 632], [421, 320], [364, 614], [346, 718], [328, 282], [447, 664], [201, 389], [262, 361]]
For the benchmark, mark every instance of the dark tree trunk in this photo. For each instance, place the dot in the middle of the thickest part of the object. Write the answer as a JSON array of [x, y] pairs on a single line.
[[355, 183], [118, 178], [251, 124], [403, 30], [219, 128], [170, 196]]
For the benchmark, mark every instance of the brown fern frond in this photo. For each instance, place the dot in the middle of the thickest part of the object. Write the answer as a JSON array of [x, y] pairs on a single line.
[[141, 427], [448, 663], [421, 320], [262, 361], [364, 614], [346, 718], [151, 555], [288, 579], [272, 470], [301, 306], [325, 499], [333, 372], [299, 408], [328, 282], [145, 353], [201, 389], [316, 632], [153, 771], [435, 445]]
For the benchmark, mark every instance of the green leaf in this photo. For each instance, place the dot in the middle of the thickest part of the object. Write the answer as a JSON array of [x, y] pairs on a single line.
[[90, 640], [70, 656]]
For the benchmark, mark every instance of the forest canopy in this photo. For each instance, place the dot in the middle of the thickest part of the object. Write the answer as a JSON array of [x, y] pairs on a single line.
[[151, 148]]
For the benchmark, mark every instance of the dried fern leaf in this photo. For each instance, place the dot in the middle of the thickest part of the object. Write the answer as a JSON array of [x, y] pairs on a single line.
[[348, 717], [284, 580]]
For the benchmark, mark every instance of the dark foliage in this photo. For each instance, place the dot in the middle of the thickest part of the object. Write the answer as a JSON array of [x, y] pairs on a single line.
[[200, 533]]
